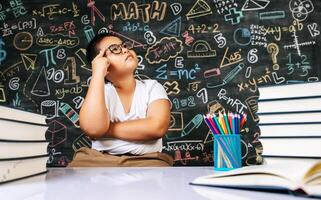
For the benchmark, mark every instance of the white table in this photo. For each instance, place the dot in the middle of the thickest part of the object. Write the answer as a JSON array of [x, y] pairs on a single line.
[[125, 183]]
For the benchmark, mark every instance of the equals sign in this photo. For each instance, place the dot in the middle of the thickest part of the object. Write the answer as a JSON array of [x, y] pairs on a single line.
[[173, 73]]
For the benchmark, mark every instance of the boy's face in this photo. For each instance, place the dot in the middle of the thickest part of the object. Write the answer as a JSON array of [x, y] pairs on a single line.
[[122, 60]]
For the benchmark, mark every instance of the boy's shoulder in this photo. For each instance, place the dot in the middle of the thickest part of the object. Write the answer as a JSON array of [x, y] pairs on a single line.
[[149, 83]]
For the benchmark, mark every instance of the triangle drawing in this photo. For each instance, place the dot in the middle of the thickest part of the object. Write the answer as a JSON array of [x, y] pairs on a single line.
[[173, 28], [200, 8], [29, 60], [255, 5]]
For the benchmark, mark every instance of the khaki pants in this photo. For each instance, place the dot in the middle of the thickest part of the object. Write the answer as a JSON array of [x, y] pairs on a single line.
[[86, 157]]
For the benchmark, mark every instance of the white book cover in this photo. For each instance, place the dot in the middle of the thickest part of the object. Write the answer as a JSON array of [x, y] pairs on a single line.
[[290, 90], [289, 105], [12, 130], [21, 168], [285, 118], [292, 147], [21, 115], [291, 130], [12, 150], [301, 178]]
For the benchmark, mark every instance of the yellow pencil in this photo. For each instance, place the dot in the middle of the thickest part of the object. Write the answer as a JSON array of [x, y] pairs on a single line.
[[222, 122]]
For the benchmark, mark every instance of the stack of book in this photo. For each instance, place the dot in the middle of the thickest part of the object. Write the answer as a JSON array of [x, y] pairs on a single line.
[[290, 121], [23, 145]]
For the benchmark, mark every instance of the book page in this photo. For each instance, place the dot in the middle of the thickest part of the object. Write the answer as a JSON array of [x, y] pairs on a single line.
[[293, 171], [313, 176], [280, 175], [313, 190], [254, 181]]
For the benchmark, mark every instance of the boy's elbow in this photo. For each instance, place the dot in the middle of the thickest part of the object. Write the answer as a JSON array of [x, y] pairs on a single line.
[[161, 130], [92, 129], [94, 132]]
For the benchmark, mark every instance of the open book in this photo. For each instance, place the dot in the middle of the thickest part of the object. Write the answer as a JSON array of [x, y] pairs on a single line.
[[302, 178]]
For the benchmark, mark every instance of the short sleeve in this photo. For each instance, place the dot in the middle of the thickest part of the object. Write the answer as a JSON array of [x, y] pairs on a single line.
[[156, 92], [107, 91]]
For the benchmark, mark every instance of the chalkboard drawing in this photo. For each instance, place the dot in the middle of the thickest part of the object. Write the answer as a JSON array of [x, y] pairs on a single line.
[[277, 79], [3, 53], [193, 86], [251, 103], [78, 101], [57, 40], [81, 141], [70, 69], [89, 32], [209, 137], [212, 72], [272, 15], [214, 107], [313, 29], [29, 60], [176, 8], [2, 94], [173, 28], [171, 88], [201, 49], [56, 133], [296, 45], [234, 58], [40, 32], [103, 30], [163, 50], [234, 16], [301, 8], [94, 10], [202, 93], [22, 41], [200, 8], [188, 39], [228, 77], [192, 125], [41, 86], [49, 108], [149, 37], [70, 113], [16, 102], [14, 83], [242, 36], [178, 157], [162, 72], [176, 121], [255, 5], [273, 49], [81, 54]]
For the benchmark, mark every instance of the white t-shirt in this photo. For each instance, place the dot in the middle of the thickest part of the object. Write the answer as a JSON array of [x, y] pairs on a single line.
[[146, 92]]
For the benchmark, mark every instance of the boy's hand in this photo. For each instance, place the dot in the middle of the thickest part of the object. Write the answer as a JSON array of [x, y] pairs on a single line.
[[100, 64]]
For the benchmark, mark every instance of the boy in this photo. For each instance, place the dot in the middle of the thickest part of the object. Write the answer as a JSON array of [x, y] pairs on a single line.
[[126, 118]]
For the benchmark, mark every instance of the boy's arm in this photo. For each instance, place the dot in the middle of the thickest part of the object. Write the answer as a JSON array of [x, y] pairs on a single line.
[[94, 116], [154, 126]]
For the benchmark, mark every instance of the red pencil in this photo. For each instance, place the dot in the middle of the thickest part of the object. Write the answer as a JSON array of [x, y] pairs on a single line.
[[243, 119], [212, 123]]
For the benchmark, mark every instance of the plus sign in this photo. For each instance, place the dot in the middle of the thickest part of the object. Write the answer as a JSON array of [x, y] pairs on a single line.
[[234, 16]]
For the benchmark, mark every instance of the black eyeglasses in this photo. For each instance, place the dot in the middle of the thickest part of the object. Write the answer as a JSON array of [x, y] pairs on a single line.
[[117, 48]]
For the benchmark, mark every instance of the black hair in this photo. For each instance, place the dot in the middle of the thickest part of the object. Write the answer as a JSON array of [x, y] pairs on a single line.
[[91, 50]]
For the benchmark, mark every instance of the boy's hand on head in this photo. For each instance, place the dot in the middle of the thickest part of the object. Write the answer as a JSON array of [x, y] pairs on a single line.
[[100, 64]]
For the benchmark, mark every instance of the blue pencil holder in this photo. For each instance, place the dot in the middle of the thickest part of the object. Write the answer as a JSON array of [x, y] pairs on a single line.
[[227, 152]]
